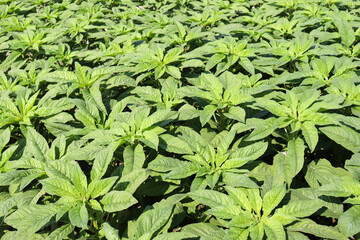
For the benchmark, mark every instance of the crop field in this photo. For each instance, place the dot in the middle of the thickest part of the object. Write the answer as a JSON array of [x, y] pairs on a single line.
[[179, 119]]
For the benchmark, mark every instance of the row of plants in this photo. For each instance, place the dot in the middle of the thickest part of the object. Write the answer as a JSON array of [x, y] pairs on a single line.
[[179, 119]]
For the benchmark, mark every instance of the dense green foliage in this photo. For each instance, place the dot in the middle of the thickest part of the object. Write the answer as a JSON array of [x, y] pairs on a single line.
[[179, 119]]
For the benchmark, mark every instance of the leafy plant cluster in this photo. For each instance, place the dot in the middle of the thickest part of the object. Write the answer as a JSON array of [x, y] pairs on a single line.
[[179, 119]]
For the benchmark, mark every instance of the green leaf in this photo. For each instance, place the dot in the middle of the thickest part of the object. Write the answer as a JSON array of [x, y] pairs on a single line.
[[192, 63], [215, 59], [62, 232], [192, 138], [200, 229], [236, 113], [102, 160], [95, 95], [37, 144], [206, 114], [321, 231], [307, 99], [262, 130], [294, 159], [173, 144], [175, 236], [210, 198], [247, 65], [58, 148], [257, 232], [4, 138], [58, 169], [31, 218], [180, 28], [310, 134], [349, 221], [130, 182], [187, 112], [346, 31], [296, 236], [79, 216], [242, 220], [274, 107], [187, 169], [7, 154], [133, 159], [15, 176], [60, 187], [110, 232], [302, 208], [151, 139], [255, 200], [64, 209], [229, 212], [272, 199], [152, 220], [344, 136], [243, 155], [159, 71], [20, 235], [165, 164], [173, 71], [6, 204], [239, 197], [52, 107], [115, 201], [100, 187], [341, 187], [274, 230], [158, 118], [88, 152], [321, 172], [78, 178], [225, 143], [13, 56], [238, 180], [353, 165]]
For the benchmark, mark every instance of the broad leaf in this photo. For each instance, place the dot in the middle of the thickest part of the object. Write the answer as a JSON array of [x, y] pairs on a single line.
[[115, 201]]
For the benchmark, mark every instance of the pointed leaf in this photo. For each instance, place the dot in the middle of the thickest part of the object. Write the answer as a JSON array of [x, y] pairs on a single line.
[[344, 136], [62, 232], [102, 160], [210, 198], [274, 230], [133, 158], [349, 221], [79, 216], [310, 134], [115, 201], [59, 187], [110, 232], [272, 199], [294, 159], [37, 143]]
